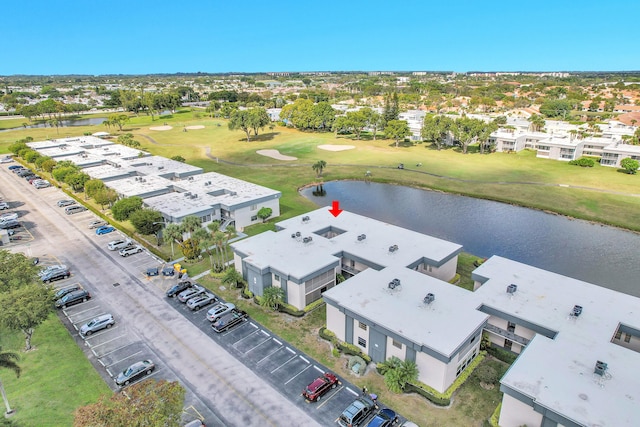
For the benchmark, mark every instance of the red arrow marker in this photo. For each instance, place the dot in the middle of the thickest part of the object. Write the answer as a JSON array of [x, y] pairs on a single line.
[[335, 210]]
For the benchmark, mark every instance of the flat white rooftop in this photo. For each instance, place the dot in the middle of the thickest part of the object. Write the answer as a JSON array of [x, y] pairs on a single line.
[[142, 186], [443, 325], [298, 259], [558, 373]]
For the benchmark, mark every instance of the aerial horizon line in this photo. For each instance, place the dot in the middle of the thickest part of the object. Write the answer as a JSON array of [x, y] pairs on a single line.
[[187, 73]]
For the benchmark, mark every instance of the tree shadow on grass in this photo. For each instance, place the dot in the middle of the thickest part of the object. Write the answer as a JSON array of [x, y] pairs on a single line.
[[262, 137]]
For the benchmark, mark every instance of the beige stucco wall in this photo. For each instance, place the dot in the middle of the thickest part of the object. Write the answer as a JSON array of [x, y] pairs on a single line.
[[392, 350], [432, 371], [358, 332], [335, 321], [237, 262], [295, 295], [243, 215], [515, 414], [445, 272]]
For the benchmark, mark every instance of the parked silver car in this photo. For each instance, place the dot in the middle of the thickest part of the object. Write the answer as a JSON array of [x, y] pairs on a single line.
[[187, 294], [105, 321]]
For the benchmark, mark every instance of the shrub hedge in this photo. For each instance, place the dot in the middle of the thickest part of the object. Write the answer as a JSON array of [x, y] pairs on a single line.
[[444, 399]]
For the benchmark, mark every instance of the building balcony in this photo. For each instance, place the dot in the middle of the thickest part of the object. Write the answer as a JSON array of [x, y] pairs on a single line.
[[350, 270], [506, 334]]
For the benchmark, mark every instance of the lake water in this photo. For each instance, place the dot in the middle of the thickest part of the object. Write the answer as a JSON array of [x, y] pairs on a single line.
[[598, 254], [92, 121]]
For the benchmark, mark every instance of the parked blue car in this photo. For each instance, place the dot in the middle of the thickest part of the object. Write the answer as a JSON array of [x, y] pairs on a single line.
[[105, 229]]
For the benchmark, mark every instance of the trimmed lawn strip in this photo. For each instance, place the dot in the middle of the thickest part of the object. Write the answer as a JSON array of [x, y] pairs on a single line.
[[56, 377]]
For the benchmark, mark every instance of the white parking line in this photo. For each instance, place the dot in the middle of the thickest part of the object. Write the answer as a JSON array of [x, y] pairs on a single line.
[[305, 360], [277, 341], [293, 358], [270, 354], [352, 392], [293, 377], [80, 312], [108, 341], [256, 346], [265, 333], [112, 351], [125, 358], [245, 337], [318, 369], [109, 372], [97, 334], [326, 399], [235, 328], [86, 319], [291, 351]]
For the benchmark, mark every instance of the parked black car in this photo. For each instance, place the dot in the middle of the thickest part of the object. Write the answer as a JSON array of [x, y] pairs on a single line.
[[357, 412], [55, 275], [72, 298], [179, 287], [64, 291], [135, 371], [229, 320]]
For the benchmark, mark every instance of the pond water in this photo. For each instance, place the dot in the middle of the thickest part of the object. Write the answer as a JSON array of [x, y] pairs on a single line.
[[598, 254], [92, 121]]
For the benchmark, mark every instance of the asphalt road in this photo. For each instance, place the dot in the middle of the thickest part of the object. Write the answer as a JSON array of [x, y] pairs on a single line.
[[219, 387]]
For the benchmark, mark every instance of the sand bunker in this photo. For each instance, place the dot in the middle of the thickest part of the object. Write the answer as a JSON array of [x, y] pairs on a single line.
[[336, 147], [196, 127], [161, 127], [275, 154]]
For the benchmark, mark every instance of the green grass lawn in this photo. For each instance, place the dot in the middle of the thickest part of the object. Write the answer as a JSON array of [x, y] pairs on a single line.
[[56, 377], [519, 178]]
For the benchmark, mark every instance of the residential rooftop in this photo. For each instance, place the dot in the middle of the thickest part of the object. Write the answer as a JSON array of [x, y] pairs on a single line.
[[557, 372]]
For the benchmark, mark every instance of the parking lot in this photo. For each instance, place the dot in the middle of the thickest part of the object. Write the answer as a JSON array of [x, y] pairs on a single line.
[[286, 368], [148, 331]]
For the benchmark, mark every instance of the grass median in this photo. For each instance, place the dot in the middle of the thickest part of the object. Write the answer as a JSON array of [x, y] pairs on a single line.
[[56, 377]]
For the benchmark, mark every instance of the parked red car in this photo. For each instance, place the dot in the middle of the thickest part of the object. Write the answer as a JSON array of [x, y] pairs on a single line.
[[320, 386]]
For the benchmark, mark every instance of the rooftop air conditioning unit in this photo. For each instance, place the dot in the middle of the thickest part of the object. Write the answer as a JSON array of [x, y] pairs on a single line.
[[298, 234], [600, 368], [511, 289], [187, 194], [361, 237], [160, 167], [429, 298], [307, 239], [394, 283], [393, 248], [305, 219], [293, 235], [577, 310]]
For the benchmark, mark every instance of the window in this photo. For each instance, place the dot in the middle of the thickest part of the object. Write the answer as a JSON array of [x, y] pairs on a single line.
[[627, 337], [276, 277], [473, 339], [618, 334], [362, 326], [511, 327], [508, 344], [396, 344], [362, 342]]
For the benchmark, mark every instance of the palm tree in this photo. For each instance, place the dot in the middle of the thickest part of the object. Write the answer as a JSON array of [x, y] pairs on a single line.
[[8, 360], [318, 167]]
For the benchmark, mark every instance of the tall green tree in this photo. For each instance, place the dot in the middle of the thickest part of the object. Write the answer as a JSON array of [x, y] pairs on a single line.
[[92, 186], [259, 118], [148, 403], [397, 373], [436, 129], [123, 208], [118, 120], [16, 271], [319, 167], [466, 131], [8, 360], [146, 221], [630, 165], [375, 121], [397, 130], [25, 308], [241, 119]]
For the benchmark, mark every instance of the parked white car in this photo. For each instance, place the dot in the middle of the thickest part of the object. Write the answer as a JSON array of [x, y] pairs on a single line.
[[118, 244], [130, 250]]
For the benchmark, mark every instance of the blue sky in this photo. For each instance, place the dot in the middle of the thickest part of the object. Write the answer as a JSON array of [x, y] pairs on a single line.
[[140, 36]]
